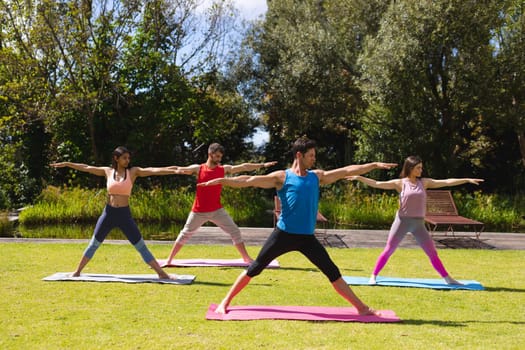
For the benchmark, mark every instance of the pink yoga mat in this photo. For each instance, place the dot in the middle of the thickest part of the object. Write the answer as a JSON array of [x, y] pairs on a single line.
[[210, 262], [299, 313]]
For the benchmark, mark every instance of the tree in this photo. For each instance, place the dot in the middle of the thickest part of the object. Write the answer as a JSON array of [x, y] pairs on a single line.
[[428, 78], [80, 77], [510, 41], [298, 68]]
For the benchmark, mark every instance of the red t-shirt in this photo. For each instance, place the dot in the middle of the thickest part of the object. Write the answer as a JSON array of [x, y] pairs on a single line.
[[208, 198]]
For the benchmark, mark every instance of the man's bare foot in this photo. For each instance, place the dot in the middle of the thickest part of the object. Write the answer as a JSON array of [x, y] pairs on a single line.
[[372, 280], [248, 260], [368, 311], [450, 280], [75, 274], [221, 308]]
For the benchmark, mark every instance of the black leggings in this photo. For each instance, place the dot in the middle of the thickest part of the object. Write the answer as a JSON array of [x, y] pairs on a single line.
[[281, 242]]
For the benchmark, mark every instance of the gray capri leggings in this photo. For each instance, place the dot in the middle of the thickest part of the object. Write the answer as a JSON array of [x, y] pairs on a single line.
[[281, 242], [118, 217]]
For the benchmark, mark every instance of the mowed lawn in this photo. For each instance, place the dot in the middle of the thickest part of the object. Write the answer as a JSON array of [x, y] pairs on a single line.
[[82, 315]]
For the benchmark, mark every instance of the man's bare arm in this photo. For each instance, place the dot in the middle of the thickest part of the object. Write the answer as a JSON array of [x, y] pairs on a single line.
[[273, 180], [330, 176], [234, 169]]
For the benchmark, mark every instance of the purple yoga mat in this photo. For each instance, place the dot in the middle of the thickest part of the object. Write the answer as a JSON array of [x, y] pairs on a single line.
[[210, 263], [299, 313]]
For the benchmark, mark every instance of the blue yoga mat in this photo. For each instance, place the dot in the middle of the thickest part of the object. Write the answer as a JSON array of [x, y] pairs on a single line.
[[413, 282]]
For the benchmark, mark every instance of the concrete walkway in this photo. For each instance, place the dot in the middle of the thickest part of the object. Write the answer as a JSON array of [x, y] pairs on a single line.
[[332, 238]]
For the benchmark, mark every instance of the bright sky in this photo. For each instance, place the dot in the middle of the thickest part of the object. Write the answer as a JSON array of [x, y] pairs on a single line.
[[251, 9]]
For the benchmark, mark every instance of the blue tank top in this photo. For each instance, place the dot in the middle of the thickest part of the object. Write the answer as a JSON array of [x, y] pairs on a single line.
[[299, 202]]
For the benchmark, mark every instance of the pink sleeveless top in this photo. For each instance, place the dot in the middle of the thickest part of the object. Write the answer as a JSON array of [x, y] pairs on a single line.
[[122, 188], [412, 199]]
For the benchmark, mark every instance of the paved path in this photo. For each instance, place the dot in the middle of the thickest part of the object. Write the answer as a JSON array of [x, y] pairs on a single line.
[[333, 238]]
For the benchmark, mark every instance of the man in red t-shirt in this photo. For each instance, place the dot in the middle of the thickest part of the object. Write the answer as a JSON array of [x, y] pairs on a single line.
[[207, 205]]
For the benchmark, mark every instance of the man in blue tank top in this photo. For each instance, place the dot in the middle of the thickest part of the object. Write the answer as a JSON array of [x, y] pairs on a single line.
[[298, 189]]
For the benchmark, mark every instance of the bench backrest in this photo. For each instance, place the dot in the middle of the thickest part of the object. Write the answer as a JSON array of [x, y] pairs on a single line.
[[440, 203]]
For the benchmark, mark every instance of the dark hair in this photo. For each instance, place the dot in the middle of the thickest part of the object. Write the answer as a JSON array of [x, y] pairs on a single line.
[[302, 145], [410, 163], [215, 147], [119, 151]]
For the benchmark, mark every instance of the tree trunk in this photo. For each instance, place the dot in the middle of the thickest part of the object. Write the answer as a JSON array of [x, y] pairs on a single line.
[[91, 126], [521, 140]]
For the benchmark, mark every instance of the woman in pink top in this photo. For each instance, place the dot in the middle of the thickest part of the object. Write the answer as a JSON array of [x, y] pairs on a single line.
[[410, 216], [120, 181]]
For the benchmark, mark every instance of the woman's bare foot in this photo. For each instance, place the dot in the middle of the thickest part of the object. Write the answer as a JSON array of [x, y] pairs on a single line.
[[372, 280], [75, 274], [165, 276], [450, 280]]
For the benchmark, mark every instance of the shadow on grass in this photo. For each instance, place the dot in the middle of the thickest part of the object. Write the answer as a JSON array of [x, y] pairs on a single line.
[[442, 323], [313, 269], [307, 269], [205, 283], [229, 284], [503, 289]]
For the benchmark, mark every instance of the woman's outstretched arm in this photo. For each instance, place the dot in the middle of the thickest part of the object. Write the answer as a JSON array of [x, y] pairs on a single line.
[[431, 183], [95, 170], [394, 184]]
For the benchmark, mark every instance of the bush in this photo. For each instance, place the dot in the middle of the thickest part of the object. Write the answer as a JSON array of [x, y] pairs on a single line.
[[345, 206]]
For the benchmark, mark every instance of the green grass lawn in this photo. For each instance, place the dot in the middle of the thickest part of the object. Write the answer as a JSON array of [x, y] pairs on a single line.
[[82, 315]]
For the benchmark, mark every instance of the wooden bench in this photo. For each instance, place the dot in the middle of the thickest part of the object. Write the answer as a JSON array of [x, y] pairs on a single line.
[[277, 212], [441, 210]]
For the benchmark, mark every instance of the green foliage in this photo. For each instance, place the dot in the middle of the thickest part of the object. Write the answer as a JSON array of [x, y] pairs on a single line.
[[382, 80], [159, 205], [369, 80], [500, 213], [79, 205], [430, 82], [351, 207], [250, 207], [80, 80], [64, 205], [298, 68], [6, 227], [345, 206], [19, 177]]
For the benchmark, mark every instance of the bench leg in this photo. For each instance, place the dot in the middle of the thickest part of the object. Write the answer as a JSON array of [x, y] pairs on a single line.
[[479, 230], [431, 228]]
